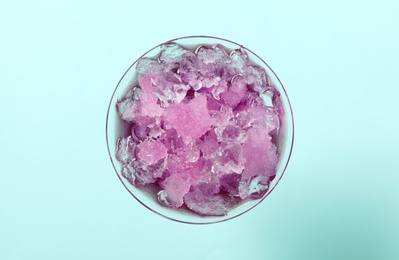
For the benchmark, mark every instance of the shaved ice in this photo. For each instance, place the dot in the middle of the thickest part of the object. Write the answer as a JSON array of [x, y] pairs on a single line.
[[203, 125]]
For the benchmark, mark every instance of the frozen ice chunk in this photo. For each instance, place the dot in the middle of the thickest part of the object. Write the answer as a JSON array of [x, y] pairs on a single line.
[[151, 152], [179, 92], [267, 98], [205, 203], [272, 120], [260, 116], [139, 132], [125, 149], [163, 199], [256, 78], [230, 159], [147, 66], [158, 169], [213, 61], [207, 189], [190, 120], [255, 188], [128, 109], [223, 116], [171, 52], [239, 60], [175, 188], [189, 62], [210, 82], [244, 119], [129, 173], [156, 132], [239, 86], [189, 152], [170, 92], [164, 92], [209, 146], [183, 175], [219, 89], [232, 134], [229, 183], [172, 76], [172, 140], [144, 127], [252, 100], [188, 70], [212, 104], [191, 171], [214, 55], [149, 105], [260, 153], [231, 98], [136, 175], [258, 186]]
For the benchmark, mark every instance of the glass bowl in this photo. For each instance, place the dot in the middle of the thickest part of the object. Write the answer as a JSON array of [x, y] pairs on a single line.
[[117, 128]]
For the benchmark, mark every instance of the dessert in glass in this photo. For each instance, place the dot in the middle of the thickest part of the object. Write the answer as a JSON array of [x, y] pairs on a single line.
[[199, 129]]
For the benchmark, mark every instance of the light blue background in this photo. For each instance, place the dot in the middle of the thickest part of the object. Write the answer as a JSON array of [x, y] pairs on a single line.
[[60, 198]]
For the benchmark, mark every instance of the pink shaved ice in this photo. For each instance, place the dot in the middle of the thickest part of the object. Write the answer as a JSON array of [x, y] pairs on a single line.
[[203, 125]]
